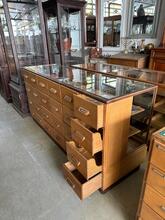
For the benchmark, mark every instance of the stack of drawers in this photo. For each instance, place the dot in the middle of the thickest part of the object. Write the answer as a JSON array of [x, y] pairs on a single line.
[[51, 105], [84, 151], [152, 204], [73, 121]]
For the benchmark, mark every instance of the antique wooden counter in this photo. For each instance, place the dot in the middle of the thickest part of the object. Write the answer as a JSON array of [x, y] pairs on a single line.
[[101, 121]]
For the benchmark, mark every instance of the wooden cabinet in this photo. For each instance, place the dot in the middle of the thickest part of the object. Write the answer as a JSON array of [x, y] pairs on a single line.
[[132, 60], [101, 148], [152, 201], [157, 59]]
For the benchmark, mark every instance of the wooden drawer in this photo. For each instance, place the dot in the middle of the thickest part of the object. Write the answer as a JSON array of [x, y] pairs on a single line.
[[54, 122], [82, 187], [85, 138], [67, 132], [88, 110], [67, 97], [67, 115], [158, 155], [42, 85], [54, 91], [30, 78], [148, 214], [83, 161], [155, 200], [156, 179], [34, 95], [51, 105]]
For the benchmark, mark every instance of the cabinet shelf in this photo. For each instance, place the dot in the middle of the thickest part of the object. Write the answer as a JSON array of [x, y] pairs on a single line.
[[160, 108], [136, 110], [133, 131], [158, 121]]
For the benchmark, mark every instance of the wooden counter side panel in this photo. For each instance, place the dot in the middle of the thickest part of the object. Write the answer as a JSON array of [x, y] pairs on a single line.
[[116, 129]]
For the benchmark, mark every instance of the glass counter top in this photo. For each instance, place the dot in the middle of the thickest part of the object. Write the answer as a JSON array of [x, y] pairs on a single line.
[[105, 88], [145, 75]]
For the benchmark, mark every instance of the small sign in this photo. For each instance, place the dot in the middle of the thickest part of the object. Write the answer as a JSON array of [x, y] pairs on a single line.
[[162, 133]]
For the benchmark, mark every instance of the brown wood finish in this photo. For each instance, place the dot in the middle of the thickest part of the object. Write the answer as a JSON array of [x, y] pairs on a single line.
[[67, 115], [148, 214], [85, 138], [153, 190], [89, 111], [157, 59], [82, 160], [79, 185], [67, 97]]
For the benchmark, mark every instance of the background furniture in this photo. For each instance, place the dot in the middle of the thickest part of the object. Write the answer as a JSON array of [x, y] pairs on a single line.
[[64, 22], [152, 201], [91, 31], [132, 60], [96, 118], [157, 59]]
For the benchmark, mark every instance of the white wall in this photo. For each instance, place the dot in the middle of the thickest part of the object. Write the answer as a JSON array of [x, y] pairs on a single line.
[[124, 27]]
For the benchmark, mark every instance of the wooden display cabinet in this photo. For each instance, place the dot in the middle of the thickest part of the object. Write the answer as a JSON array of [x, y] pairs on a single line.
[[95, 118], [157, 59]]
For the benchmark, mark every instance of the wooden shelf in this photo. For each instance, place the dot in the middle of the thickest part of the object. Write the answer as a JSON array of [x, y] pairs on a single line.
[[158, 121], [133, 131], [160, 108], [136, 110]]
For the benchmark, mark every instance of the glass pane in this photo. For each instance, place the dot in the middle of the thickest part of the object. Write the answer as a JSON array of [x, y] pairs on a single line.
[[71, 35], [26, 28], [143, 16], [112, 23], [7, 42]]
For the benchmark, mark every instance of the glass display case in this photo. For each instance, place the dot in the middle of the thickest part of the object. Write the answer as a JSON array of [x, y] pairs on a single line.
[[65, 31]]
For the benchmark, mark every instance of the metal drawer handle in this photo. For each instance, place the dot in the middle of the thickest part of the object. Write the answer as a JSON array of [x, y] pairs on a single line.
[[84, 111], [158, 173], [79, 138], [162, 208], [35, 94], [53, 91], [38, 109], [30, 102], [73, 160], [58, 126], [56, 109], [26, 77], [160, 147], [47, 116], [70, 182], [33, 80], [44, 101], [67, 98], [42, 84]]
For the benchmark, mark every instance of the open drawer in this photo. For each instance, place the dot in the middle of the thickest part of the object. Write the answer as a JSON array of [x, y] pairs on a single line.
[[86, 138], [82, 187], [89, 110], [87, 165]]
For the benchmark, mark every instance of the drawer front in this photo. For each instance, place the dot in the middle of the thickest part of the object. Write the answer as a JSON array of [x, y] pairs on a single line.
[[67, 97], [155, 200], [89, 111], [51, 105], [158, 155], [85, 138], [34, 95], [67, 115], [82, 187], [30, 78], [67, 132], [82, 160], [54, 91], [156, 179], [42, 85], [54, 122], [148, 214]]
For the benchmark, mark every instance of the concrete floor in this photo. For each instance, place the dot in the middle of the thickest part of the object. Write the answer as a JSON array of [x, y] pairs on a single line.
[[32, 186]]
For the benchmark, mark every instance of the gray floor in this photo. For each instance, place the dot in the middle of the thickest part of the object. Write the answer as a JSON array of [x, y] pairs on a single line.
[[32, 186]]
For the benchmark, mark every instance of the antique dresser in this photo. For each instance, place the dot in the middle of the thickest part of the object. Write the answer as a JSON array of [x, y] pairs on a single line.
[[101, 121], [152, 201]]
